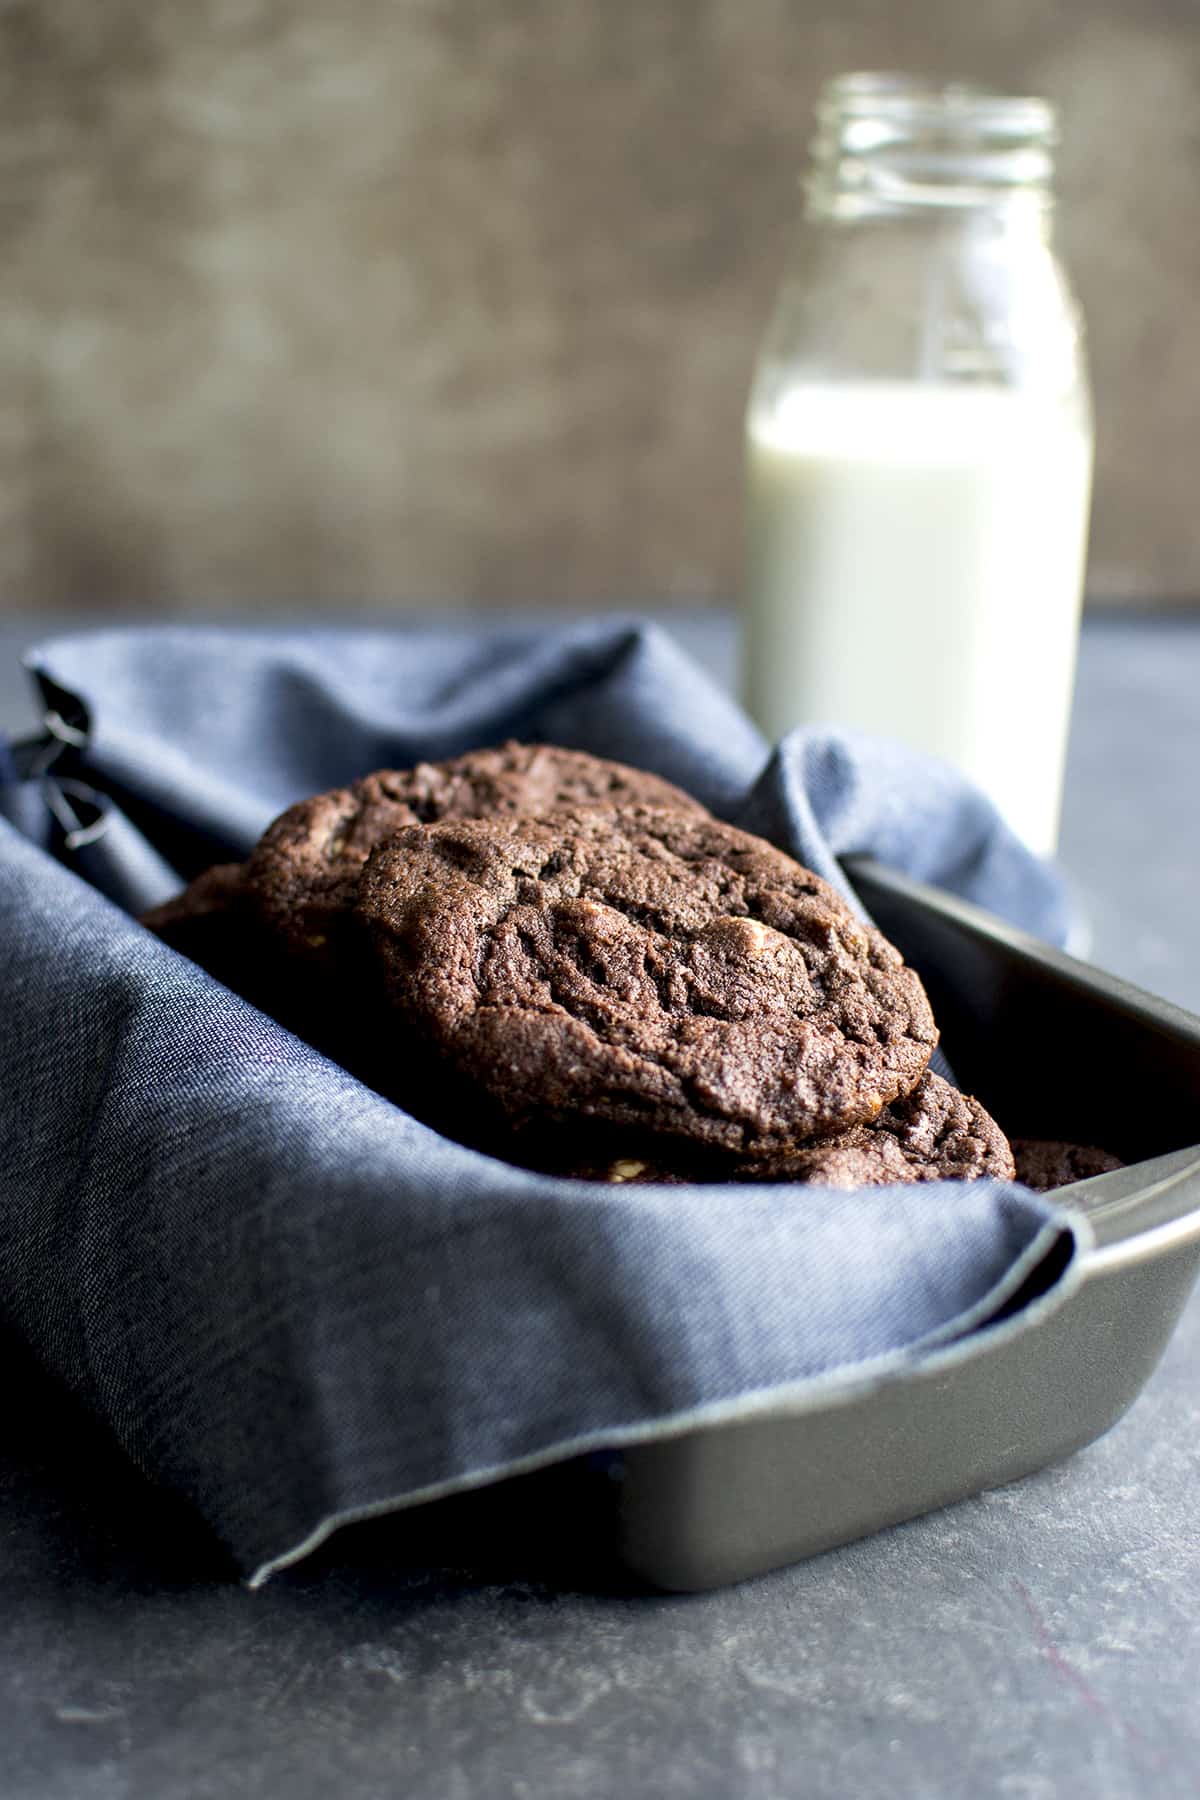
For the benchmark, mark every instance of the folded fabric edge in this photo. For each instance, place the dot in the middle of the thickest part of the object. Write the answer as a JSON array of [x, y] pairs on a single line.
[[959, 1340], [541, 690]]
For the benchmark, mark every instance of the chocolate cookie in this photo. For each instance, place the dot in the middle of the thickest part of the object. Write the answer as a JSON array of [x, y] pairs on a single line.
[[303, 874], [646, 970], [205, 922], [214, 893], [1043, 1163], [934, 1134], [210, 923]]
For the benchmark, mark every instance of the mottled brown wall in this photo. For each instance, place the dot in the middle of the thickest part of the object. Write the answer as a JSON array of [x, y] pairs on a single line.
[[361, 301]]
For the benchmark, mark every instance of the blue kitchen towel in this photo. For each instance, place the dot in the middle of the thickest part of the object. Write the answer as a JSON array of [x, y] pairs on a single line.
[[294, 1303]]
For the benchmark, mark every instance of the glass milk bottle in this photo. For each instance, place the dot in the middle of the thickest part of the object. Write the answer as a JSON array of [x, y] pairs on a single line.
[[919, 445]]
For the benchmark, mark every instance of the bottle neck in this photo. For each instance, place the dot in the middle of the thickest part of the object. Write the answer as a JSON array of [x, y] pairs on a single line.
[[889, 147]]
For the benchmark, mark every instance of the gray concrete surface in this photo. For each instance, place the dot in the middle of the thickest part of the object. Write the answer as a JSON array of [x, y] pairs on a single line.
[[1036, 1643]]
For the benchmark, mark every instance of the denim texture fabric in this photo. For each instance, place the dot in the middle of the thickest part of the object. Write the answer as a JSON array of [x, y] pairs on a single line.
[[289, 1300]]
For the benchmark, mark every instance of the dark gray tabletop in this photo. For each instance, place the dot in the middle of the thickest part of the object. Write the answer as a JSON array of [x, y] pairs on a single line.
[[1037, 1641]]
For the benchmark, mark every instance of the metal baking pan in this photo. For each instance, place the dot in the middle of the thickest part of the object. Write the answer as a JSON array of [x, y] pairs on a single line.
[[1056, 1050]]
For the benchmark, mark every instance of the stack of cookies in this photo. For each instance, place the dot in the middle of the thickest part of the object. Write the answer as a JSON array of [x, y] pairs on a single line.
[[572, 964]]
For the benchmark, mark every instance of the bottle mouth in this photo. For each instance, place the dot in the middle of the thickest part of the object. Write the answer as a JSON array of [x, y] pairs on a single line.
[[889, 140]]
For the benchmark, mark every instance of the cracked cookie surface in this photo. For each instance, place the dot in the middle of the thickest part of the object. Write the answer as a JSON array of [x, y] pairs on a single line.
[[302, 876], [644, 969], [935, 1133], [1045, 1163]]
